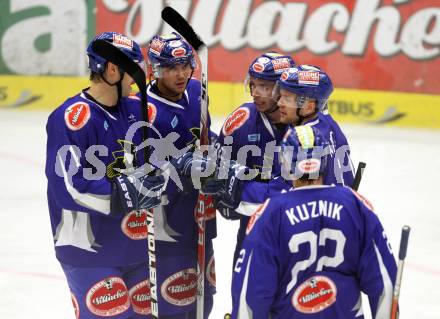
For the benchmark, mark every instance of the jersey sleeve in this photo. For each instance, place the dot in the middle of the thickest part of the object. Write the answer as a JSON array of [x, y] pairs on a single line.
[[255, 277], [76, 179], [347, 175], [254, 193], [343, 162], [377, 267]]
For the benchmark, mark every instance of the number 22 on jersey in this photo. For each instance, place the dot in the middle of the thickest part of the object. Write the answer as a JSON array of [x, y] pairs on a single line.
[[312, 239]]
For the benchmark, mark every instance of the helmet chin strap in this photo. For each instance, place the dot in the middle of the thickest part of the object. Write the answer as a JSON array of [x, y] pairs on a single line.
[[118, 83]]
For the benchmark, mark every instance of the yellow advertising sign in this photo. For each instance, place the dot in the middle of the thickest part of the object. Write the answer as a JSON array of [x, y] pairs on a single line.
[[346, 105], [38, 92], [350, 106], [385, 108]]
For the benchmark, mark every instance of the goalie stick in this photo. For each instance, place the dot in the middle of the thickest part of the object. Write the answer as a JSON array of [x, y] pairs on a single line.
[[115, 56], [175, 20], [402, 254]]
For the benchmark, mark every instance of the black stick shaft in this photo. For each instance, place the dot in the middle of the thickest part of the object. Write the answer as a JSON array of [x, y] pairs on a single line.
[[358, 176]]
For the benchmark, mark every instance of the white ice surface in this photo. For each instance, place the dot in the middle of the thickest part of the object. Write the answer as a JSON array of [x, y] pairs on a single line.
[[400, 180]]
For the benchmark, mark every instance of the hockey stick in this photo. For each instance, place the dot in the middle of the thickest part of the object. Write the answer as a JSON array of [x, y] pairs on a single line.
[[358, 176], [175, 20], [115, 56], [402, 254]]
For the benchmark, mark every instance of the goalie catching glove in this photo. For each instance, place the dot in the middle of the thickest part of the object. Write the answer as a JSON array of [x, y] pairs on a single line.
[[136, 191]]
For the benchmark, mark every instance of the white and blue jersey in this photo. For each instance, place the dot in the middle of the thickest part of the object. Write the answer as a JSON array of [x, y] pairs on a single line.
[[309, 253], [176, 228], [86, 143], [339, 171], [249, 127]]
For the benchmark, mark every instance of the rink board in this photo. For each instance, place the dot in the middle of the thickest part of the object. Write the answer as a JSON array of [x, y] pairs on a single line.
[[346, 105]]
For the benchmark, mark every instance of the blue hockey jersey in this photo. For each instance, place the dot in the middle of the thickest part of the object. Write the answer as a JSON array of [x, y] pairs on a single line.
[[86, 144], [309, 253], [339, 166], [248, 127], [178, 231]]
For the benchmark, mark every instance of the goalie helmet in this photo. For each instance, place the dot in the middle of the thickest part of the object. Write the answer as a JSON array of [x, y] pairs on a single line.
[[304, 152], [123, 43], [167, 50], [306, 81]]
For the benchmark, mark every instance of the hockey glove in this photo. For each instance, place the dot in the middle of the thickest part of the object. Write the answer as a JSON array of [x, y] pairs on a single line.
[[227, 188], [136, 191], [191, 168]]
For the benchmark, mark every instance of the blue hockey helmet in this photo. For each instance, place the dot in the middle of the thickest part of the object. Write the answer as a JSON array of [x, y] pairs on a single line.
[[123, 43], [307, 81], [304, 153], [167, 50], [270, 65]]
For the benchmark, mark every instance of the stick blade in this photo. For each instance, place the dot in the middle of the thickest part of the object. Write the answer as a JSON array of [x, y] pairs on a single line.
[[175, 20]]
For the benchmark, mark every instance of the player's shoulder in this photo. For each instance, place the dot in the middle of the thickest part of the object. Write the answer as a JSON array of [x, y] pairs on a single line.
[[330, 122], [193, 87], [359, 198], [74, 113], [239, 119], [263, 209]]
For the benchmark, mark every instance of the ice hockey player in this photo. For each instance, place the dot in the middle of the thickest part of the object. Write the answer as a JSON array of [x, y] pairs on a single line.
[[302, 93], [256, 124], [310, 252], [97, 198], [300, 102], [174, 107]]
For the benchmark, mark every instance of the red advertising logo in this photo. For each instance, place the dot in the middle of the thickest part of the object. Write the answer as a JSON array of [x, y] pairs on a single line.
[[314, 295], [140, 298], [364, 44], [180, 288], [108, 297]]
